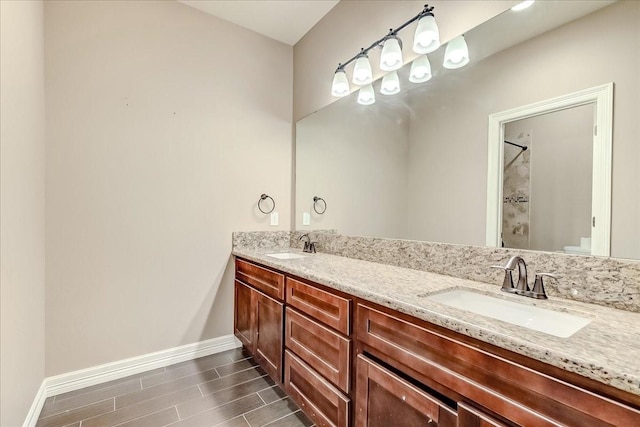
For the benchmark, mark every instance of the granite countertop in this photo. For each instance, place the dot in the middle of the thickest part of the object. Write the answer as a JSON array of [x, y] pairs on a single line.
[[606, 350]]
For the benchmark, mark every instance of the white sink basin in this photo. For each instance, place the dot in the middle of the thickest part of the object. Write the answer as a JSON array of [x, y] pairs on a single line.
[[287, 255], [551, 322]]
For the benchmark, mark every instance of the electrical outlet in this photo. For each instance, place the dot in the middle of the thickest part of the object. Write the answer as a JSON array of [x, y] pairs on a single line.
[[274, 218], [306, 218]]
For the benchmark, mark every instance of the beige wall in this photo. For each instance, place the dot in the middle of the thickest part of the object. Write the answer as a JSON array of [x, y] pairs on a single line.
[[22, 282], [561, 155], [358, 165], [354, 24], [164, 126]]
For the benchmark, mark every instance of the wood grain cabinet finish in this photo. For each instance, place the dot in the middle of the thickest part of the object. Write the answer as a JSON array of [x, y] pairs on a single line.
[[244, 315], [384, 399], [328, 308], [512, 391], [266, 281], [268, 342], [469, 416], [319, 399], [258, 324], [326, 351]]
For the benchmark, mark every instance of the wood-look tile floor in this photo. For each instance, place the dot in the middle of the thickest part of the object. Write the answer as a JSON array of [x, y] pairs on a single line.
[[224, 389]]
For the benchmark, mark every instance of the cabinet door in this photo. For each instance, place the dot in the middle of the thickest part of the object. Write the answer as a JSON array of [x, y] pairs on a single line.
[[383, 398], [468, 416], [324, 350], [269, 331], [244, 315], [319, 399]]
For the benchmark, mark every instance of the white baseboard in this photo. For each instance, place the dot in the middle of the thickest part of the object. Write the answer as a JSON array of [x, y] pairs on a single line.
[[52, 386]]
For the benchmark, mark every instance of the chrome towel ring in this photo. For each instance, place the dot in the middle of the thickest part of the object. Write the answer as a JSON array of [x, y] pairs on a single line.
[[264, 197], [317, 199]]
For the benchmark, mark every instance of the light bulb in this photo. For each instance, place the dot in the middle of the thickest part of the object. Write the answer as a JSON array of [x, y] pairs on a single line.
[[522, 5], [427, 37], [340, 85], [457, 53], [420, 70], [390, 84], [366, 95], [362, 74], [391, 56]]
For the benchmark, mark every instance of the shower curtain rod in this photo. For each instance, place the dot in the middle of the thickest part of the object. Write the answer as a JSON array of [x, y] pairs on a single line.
[[517, 145]]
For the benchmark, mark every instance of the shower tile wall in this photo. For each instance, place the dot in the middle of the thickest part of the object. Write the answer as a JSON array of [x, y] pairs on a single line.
[[516, 192]]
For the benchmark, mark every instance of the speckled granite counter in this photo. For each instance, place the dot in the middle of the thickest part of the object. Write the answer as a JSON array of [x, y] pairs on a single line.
[[607, 350]]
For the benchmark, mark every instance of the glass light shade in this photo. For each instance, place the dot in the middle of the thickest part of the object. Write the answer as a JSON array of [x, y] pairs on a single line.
[[362, 74], [366, 95], [420, 70], [457, 53], [427, 38], [390, 84], [391, 56], [522, 5], [340, 85]]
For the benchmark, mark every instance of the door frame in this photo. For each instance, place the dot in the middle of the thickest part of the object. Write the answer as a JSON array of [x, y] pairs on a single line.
[[602, 98]]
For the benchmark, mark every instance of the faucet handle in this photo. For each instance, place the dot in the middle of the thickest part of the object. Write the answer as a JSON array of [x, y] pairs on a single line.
[[538, 286], [507, 283]]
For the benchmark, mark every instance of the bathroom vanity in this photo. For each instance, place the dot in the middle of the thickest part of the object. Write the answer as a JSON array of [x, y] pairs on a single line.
[[358, 343]]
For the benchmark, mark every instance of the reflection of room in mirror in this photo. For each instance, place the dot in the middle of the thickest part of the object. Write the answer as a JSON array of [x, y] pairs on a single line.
[[554, 175], [516, 189], [414, 166]]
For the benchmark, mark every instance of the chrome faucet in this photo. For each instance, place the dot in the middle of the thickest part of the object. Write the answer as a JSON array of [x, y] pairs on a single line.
[[522, 288], [309, 246]]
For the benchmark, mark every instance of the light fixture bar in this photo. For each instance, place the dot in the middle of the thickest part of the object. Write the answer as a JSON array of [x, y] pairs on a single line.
[[392, 32]]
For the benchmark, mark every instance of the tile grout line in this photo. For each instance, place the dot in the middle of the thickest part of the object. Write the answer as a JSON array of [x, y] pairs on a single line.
[[145, 415], [282, 417], [226, 403], [79, 407], [227, 388]]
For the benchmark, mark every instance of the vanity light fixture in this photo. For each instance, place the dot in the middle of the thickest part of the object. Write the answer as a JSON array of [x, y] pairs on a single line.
[[390, 84], [427, 39], [391, 56], [340, 85], [523, 5], [457, 54], [366, 95], [362, 73], [420, 70]]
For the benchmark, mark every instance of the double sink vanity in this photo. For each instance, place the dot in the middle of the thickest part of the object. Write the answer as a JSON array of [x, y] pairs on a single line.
[[361, 343]]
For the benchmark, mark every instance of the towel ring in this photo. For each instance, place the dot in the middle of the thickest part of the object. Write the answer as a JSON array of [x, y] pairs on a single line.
[[264, 197], [317, 199]]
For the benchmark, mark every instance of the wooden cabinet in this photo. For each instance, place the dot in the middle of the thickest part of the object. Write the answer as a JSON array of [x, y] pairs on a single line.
[[468, 416], [259, 318], [400, 370], [383, 399], [318, 355], [326, 307], [465, 370], [319, 399]]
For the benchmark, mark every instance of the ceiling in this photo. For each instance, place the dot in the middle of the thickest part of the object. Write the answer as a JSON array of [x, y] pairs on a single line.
[[284, 20]]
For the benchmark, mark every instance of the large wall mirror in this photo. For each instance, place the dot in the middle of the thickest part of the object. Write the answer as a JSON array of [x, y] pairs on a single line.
[[415, 165]]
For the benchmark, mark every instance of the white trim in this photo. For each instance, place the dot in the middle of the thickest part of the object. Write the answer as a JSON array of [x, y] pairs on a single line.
[[602, 97], [36, 406], [52, 386]]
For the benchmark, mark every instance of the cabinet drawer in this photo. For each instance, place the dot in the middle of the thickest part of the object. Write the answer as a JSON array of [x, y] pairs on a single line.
[[324, 306], [321, 348], [321, 401], [383, 398], [267, 281], [491, 381]]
